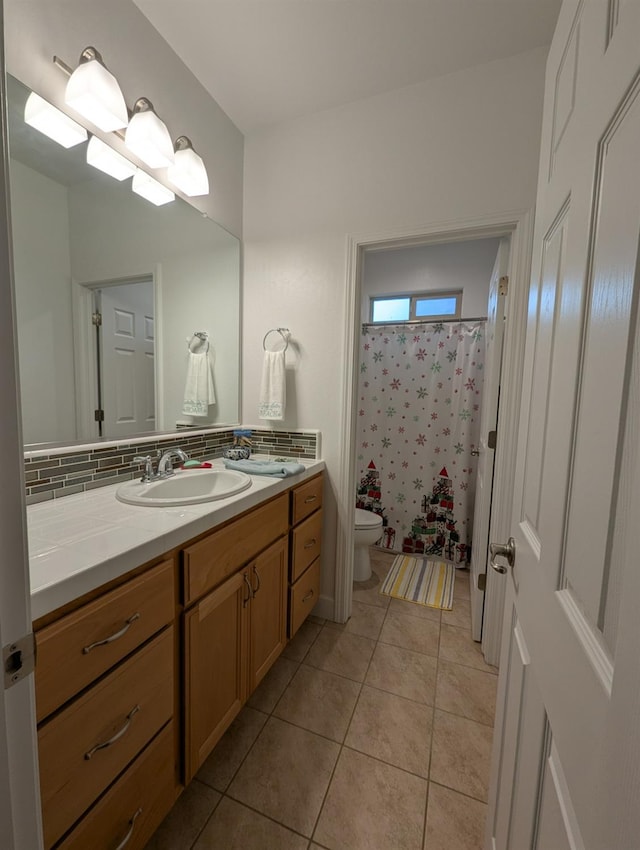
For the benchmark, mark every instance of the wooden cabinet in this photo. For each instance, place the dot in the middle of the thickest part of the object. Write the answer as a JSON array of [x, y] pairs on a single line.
[[233, 634], [215, 666], [105, 689], [226, 550], [89, 641], [303, 596], [133, 808], [268, 611], [304, 559], [116, 730]]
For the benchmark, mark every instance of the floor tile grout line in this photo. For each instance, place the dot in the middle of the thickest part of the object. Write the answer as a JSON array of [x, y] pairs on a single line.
[[333, 772], [342, 746], [433, 724], [211, 813], [461, 716], [461, 793], [400, 646], [353, 749], [266, 816], [253, 743], [269, 715]]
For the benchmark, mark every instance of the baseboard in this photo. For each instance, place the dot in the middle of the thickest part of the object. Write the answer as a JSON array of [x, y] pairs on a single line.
[[325, 607]]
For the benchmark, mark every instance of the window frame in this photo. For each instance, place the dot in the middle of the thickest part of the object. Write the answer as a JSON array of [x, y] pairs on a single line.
[[414, 297]]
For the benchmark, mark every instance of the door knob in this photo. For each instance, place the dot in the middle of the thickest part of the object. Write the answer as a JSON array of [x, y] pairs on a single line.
[[506, 550]]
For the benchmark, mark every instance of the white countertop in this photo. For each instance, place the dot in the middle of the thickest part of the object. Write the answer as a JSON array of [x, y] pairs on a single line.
[[80, 542]]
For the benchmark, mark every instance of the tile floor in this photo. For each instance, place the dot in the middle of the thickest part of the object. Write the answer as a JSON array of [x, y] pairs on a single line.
[[375, 735]]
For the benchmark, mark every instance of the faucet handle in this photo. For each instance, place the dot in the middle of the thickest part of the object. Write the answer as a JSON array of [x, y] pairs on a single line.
[[148, 466]]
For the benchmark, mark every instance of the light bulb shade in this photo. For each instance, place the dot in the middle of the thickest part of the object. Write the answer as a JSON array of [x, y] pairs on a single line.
[[104, 158], [53, 123], [94, 92], [148, 138], [145, 185], [188, 173]]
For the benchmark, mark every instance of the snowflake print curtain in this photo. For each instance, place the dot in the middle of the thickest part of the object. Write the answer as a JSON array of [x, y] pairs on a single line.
[[420, 391]]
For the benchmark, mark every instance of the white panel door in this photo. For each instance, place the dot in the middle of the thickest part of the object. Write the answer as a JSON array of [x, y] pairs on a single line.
[[128, 359], [566, 768], [20, 819], [494, 335]]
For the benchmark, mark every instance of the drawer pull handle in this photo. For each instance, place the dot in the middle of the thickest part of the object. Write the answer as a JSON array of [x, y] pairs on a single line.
[[249, 588], [127, 838], [257, 575], [310, 499], [307, 595], [116, 737], [112, 637], [310, 544]]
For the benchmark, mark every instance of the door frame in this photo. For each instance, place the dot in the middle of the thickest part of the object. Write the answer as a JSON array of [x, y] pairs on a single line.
[[20, 812], [518, 225], [84, 348]]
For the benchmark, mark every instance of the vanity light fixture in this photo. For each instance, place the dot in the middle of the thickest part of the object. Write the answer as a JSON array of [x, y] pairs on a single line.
[[94, 92], [188, 172], [56, 125], [105, 159], [146, 186], [147, 136]]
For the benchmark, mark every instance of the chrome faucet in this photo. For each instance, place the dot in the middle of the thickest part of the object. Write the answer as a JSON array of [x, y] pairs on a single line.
[[164, 464], [164, 468]]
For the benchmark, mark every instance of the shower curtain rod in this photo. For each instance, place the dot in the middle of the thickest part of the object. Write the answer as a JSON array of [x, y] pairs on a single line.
[[423, 322]]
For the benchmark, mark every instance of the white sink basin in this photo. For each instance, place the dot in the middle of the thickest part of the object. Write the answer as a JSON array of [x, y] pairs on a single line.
[[185, 488]]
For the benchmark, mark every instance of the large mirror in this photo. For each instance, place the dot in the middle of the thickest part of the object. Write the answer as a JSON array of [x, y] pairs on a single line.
[[110, 294]]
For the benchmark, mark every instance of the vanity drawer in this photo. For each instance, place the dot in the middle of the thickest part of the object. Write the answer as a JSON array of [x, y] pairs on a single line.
[[305, 544], [306, 499], [126, 708], [220, 554], [83, 645], [135, 806], [303, 596]]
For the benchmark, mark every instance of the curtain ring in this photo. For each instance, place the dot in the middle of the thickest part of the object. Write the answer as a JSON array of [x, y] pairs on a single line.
[[284, 333]]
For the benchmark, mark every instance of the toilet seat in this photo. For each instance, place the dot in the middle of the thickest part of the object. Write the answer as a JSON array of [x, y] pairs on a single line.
[[367, 519]]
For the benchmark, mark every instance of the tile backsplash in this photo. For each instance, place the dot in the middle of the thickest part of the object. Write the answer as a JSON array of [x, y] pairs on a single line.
[[63, 472]]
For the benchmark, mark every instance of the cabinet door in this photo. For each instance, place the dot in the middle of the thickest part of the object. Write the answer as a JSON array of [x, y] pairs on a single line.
[[215, 666], [268, 574]]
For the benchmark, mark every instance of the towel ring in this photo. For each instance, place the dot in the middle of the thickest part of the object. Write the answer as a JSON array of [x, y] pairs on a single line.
[[284, 333], [201, 336]]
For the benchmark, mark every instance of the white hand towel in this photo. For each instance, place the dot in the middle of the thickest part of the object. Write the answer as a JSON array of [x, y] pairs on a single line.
[[198, 390], [272, 387]]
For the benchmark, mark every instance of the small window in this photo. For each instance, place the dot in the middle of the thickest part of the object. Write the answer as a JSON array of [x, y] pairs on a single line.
[[419, 307]]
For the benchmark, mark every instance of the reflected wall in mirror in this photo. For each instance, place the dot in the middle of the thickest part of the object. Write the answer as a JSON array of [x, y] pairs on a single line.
[[82, 241]]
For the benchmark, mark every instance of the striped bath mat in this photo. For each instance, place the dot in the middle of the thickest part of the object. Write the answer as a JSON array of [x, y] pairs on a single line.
[[422, 581]]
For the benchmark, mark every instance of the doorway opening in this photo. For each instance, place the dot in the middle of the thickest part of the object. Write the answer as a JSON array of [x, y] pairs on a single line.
[[515, 230], [116, 362]]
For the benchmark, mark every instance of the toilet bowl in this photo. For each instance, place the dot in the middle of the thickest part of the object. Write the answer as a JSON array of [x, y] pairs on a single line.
[[367, 532]]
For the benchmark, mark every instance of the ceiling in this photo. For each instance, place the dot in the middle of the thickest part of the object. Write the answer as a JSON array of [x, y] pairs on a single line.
[[267, 61]]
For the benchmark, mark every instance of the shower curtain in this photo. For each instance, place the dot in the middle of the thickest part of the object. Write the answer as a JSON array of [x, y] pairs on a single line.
[[419, 397]]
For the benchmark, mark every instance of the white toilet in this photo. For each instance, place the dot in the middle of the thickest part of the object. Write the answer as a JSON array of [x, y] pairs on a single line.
[[368, 531]]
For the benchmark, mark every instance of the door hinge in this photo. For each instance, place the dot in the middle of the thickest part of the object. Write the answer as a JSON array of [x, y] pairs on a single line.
[[482, 581], [18, 660], [96, 318], [503, 285], [98, 415], [492, 436]]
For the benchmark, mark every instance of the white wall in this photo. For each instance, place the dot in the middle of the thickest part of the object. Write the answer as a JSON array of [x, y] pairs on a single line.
[[464, 266], [144, 65], [457, 147], [39, 209]]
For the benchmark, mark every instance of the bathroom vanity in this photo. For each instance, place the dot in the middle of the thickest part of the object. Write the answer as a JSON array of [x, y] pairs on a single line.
[[140, 675]]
